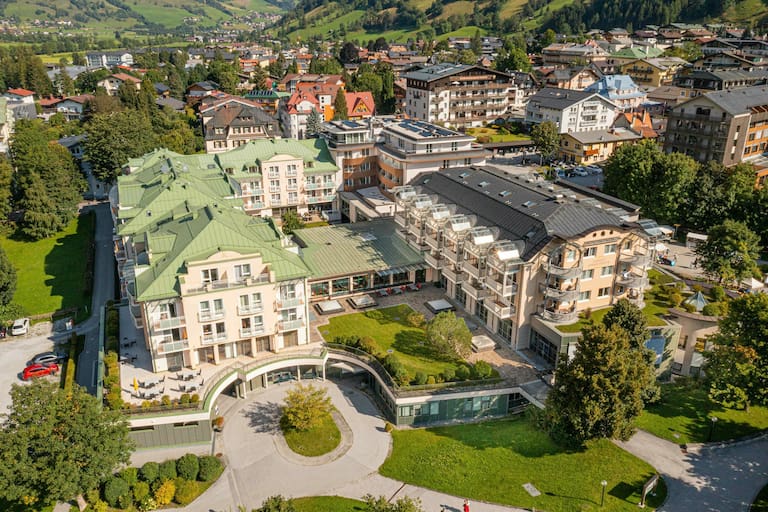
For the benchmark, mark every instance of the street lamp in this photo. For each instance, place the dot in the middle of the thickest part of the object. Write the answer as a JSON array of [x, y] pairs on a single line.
[[602, 497], [711, 427]]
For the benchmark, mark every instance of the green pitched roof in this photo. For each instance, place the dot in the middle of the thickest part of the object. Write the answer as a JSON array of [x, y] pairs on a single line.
[[637, 52], [257, 151], [198, 235], [354, 248]]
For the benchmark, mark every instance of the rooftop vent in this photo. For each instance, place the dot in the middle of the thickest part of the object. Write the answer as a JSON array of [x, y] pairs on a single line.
[[529, 204], [483, 184], [504, 193]]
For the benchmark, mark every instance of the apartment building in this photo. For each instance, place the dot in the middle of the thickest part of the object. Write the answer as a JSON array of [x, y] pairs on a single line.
[[702, 82], [232, 122], [458, 95], [210, 284], [108, 59], [726, 126], [621, 90], [568, 54], [514, 252], [654, 72], [112, 83], [352, 145], [594, 146], [571, 111], [264, 178]]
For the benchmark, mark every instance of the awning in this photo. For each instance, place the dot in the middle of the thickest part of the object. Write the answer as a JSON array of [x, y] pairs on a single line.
[[400, 270]]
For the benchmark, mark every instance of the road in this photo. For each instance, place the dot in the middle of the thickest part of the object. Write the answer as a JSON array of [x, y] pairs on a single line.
[[103, 290]]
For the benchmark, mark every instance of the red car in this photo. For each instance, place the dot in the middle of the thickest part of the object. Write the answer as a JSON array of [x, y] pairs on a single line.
[[38, 370]]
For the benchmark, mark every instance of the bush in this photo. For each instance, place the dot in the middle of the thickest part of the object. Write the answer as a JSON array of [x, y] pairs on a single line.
[[714, 309], [186, 491], [149, 472], [210, 467], [675, 298], [167, 470], [368, 345], [188, 466], [114, 489], [194, 398], [689, 308], [463, 372], [431, 380], [415, 319], [421, 379], [140, 491], [717, 293], [396, 369], [184, 399], [482, 370], [130, 475], [449, 374], [165, 493], [165, 400]]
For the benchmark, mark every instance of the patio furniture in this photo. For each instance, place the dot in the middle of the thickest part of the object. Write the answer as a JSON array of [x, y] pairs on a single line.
[[382, 293], [190, 388], [413, 287]]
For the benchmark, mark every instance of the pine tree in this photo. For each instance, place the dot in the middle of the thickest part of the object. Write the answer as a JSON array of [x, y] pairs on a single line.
[[40, 219], [7, 279], [340, 106], [313, 123]]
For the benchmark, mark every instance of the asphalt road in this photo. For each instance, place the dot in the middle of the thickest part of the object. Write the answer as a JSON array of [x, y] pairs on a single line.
[[15, 351]]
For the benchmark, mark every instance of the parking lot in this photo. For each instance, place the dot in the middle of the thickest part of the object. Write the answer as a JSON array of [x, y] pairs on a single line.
[[15, 351]]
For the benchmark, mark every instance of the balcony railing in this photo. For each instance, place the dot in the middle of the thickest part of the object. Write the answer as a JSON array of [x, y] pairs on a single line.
[[557, 270], [560, 317], [256, 330], [207, 316], [500, 288], [313, 186], [500, 309], [321, 199], [213, 337], [475, 289], [554, 291], [163, 324], [631, 280], [636, 258], [173, 346], [289, 303], [473, 270], [400, 219], [435, 262], [455, 275], [226, 283], [250, 309], [432, 242], [290, 325]]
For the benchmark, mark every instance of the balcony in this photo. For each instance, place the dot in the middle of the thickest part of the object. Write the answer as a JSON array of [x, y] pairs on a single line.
[[226, 283], [274, 189], [454, 274], [250, 309], [504, 290], [250, 332], [500, 309], [321, 199], [475, 289], [289, 303], [632, 280], [417, 242], [290, 325], [163, 324], [213, 337], [435, 262], [207, 316], [636, 258], [173, 346], [560, 316], [432, 242], [556, 270], [401, 220], [313, 186], [451, 254], [292, 186], [557, 292], [402, 233], [473, 270]]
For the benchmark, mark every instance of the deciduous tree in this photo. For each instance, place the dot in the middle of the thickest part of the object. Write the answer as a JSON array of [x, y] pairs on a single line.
[[291, 222], [7, 279], [305, 406], [116, 137], [449, 336], [546, 138], [57, 446], [730, 252]]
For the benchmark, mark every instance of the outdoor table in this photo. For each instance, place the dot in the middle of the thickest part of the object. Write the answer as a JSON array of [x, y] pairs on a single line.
[[187, 376], [412, 287], [149, 383]]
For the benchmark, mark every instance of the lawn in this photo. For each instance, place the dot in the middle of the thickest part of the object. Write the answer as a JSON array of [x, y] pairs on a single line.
[[761, 501], [389, 329], [492, 461], [50, 272], [313, 442], [683, 416], [327, 504], [493, 134]]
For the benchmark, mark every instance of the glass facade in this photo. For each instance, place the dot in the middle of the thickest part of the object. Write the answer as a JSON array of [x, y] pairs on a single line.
[[543, 347]]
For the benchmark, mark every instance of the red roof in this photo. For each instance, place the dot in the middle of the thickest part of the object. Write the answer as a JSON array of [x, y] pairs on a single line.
[[359, 104], [82, 98], [126, 78], [21, 92], [299, 97]]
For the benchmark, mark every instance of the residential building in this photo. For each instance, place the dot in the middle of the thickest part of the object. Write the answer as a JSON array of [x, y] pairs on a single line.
[[653, 72], [22, 103], [669, 96], [576, 79], [458, 95], [747, 46], [108, 59], [725, 126], [569, 54], [702, 82], [20, 96], [268, 100], [360, 105], [594, 146], [634, 53], [294, 112], [352, 145], [524, 257], [6, 125], [232, 122], [201, 89], [620, 90], [729, 60], [263, 177], [291, 81], [112, 83], [571, 111], [73, 106]]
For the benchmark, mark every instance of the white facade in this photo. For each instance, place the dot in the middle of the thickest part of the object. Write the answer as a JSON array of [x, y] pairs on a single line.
[[589, 114]]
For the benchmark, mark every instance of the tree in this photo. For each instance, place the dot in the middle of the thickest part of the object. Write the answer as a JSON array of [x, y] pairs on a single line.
[[40, 219], [114, 138], [276, 504], [340, 106], [291, 222], [514, 59], [467, 57], [58, 444], [730, 252], [349, 53], [313, 124], [7, 279], [305, 407], [737, 369], [382, 504], [599, 392], [259, 78], [449, 336], [546, 138], [6, 178]]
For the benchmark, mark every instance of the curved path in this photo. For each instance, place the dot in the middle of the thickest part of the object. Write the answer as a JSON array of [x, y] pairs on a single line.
[[706, 478], [256, 469]]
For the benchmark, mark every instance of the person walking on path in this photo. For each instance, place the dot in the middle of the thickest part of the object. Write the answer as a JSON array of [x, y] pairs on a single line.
[[466, 505]]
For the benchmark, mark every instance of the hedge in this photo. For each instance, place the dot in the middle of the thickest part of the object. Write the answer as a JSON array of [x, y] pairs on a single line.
[[210, 468]]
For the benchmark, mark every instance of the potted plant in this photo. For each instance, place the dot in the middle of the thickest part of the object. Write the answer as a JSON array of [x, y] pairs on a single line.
[[218, 423]]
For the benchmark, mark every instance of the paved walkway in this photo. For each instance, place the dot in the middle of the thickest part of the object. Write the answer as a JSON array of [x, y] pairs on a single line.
[[256, 469], [706, 478]]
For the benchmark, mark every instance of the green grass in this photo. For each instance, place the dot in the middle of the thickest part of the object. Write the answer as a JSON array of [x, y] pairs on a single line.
[[50, 273], [167, 16], [685, 409], [468, 31], [388, 328], [761, 501], [322, 25], [494, 135], [316, 224], [491, 461], [316, 441], [327, 504]]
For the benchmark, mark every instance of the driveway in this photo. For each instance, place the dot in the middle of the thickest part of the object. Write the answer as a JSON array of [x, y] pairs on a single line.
[[15, 351]]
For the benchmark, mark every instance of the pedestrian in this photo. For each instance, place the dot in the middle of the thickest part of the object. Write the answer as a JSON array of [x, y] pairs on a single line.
[[466, 505]]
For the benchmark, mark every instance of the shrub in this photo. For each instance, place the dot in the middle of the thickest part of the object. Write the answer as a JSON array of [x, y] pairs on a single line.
[[388, 427], [717, 293], [449, 374], [148, 503], [184, 399], [421, 378], [714, 309], [194, 398], [396, 369], [130, 475], [114, 489], [462, 372], [368, 345], [188, 466], [415, 319], [675, 298], [587, 313], [165, 400], [431, 380], [149, 472], [186, 491], [167, 470], [210, 467], [140, 491], [165, 493], [482, 370], [689, 308]]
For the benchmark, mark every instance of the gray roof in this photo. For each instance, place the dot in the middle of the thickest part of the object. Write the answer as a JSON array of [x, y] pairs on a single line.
[[738, 101], [23, 110], [445, 69], [559, 99], [518, 209], [175, 104]]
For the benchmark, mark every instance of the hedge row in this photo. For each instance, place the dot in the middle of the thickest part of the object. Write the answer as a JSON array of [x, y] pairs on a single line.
[[76, 345], [112, 391]]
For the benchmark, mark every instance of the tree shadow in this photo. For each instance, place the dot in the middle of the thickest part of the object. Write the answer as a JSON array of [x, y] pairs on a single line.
[[264, 418], [414, 343], [67, 264], [390, 315]]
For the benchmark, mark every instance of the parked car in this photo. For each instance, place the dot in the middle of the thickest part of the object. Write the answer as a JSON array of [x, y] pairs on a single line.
[[48, 357], [20, 326], [38, 370], [580, 171], [594, 169]]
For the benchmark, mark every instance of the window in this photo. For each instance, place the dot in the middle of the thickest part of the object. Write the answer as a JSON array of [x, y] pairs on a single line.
[[210, 275], [628, 245], [288, 291], [570, 255], [606, 271], [587, 275], [454, 146], [242, 271], [604, 292], [590, 252], [610, 249], [583, 296], [275, 198], [429, 148]]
